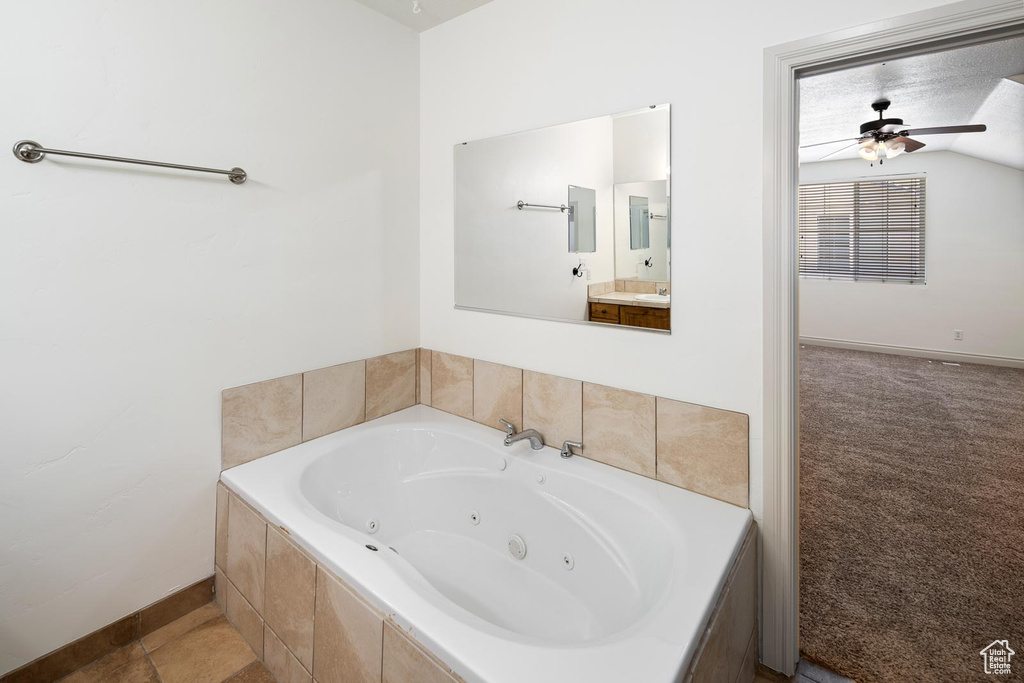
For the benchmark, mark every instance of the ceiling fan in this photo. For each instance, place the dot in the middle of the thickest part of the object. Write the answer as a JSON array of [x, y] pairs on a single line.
[[890, 137]]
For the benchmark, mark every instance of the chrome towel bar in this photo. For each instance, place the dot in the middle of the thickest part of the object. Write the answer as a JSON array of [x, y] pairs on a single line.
[[32, 152], [563, 208]]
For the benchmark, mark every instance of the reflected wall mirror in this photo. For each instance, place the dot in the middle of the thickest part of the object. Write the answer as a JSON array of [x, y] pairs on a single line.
[[570, 222]]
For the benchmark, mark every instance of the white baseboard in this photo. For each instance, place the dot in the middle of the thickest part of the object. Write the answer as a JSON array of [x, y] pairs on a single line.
[[932, 354]]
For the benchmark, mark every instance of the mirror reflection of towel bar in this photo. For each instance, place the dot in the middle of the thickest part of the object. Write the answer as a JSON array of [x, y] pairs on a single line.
[[563, 208], [658, 215]]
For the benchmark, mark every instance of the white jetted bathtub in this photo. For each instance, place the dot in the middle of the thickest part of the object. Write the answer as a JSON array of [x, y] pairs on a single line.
[[510, 564]]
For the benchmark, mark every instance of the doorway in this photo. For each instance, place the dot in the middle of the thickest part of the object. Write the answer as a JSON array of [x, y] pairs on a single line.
[[946, 27], [911, 362]]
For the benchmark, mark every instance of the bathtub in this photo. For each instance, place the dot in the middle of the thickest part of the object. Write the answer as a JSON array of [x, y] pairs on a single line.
[[508, 564]]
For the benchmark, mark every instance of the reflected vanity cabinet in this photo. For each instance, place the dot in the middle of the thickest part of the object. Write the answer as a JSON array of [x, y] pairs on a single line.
[[634, 316]]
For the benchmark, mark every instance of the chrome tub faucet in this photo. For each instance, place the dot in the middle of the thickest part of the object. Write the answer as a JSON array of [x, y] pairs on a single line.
[[567, 447], [512, 436]]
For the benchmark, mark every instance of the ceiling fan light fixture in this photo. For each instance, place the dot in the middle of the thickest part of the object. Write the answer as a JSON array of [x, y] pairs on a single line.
[[895, 149], [869, 150]]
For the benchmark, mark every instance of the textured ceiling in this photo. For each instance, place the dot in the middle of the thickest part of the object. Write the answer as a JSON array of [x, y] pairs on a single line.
[[956, 87], [433, 12]]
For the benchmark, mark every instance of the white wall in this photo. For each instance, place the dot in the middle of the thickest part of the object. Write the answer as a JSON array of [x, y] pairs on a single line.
[[518, 260], [503, 68], [641, 145], [629, 262], [974, 251], [641, 156], [130, 297]]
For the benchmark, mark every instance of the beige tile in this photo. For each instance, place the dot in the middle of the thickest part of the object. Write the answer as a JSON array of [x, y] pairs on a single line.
[[497, 394], [620, 286], [347, 647], [390, 383], [703, 449], [619, 428], [333, 398], [733, 622], [104, 669], [138, 671], [451, 384], [74, 656], [247, 552], [739, 612], [175, 605], [281, 663], [166, 634], [748, 668], [290, 595], [712, 663], [244, 618], [220, 594], [405, 662], [424, 376], [254, 673], [553, 406], [221, 547], [260, 419], [208, 653], [641, 287]]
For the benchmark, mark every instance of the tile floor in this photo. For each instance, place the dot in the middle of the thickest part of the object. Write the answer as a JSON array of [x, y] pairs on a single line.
[[806, 672], [203, 647], [200, 647]]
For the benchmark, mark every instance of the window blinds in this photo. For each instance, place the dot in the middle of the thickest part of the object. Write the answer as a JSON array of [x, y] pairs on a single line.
[[863, 230]]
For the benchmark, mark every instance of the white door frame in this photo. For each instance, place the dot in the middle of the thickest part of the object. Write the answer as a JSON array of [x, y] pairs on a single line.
[[960, 23]]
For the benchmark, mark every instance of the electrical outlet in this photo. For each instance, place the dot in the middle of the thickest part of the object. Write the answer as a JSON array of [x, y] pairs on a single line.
[[958, 335]]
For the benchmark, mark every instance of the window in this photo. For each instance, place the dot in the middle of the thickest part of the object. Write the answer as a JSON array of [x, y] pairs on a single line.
[[863, 230]]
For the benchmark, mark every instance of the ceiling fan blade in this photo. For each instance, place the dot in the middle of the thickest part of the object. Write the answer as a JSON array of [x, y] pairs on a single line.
[[841, 149], [830, 142], [910, 145], [978, 128]]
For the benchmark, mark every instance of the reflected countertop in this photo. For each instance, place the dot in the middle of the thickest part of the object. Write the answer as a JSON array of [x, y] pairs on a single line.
[[626, 299]]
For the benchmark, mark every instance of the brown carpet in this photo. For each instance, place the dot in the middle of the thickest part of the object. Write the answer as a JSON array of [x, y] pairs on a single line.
[[911, 515]]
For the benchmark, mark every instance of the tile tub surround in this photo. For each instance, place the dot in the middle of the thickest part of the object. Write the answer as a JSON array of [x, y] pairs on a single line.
[[698, 448], [728, 652], [146, 623], [260, 419], [352, 641], [266, 417], [695, 447], [311, 623]]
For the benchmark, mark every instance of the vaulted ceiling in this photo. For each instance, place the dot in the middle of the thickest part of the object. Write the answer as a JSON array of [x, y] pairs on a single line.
[[432, 12], [963, 86]]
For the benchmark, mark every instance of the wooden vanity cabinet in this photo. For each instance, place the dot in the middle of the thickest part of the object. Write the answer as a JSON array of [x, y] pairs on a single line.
[[635, 316], [605, 313]]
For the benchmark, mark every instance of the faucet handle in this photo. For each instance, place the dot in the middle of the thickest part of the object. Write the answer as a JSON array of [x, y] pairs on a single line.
[[510, 429], [567, 447]]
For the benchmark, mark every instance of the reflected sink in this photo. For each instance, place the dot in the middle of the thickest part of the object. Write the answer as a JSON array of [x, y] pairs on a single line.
[[659, 298]]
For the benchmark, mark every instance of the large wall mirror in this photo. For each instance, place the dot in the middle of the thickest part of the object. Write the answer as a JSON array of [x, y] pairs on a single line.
[[570, 222]]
